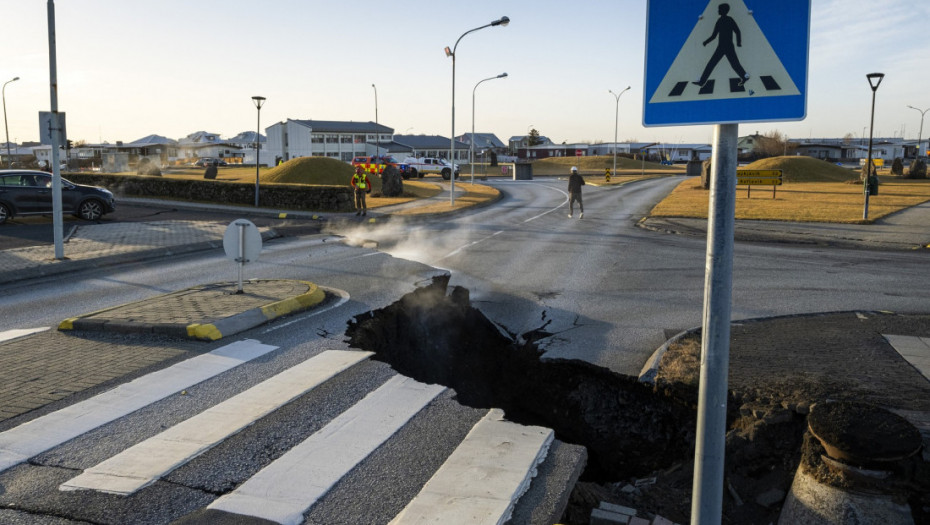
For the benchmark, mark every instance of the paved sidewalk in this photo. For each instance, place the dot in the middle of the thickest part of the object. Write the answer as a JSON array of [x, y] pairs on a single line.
[[905, 230], [91, 245]]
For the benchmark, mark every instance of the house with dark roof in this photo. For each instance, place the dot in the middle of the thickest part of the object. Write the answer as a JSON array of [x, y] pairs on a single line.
[[341, 140], [435, 146]]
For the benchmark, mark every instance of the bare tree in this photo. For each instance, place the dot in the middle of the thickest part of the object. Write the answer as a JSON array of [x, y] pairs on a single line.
[[773, 144]]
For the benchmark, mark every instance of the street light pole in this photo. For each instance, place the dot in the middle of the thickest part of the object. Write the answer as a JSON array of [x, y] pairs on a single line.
[[9, 159], [503, 21], [875, 79], [377, 133], [920, 133], [502, 75], [616, 122], [258, 132]]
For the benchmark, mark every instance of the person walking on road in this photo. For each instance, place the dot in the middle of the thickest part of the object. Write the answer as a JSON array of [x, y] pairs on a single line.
[[575, 182], [362, 187]]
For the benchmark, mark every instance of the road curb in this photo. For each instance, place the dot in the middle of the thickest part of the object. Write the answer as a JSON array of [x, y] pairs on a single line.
[[218, 329], [257, 316]]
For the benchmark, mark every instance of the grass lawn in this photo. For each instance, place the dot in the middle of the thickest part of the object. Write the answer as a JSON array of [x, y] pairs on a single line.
[[320, 172], [596, 165], [813, 193]]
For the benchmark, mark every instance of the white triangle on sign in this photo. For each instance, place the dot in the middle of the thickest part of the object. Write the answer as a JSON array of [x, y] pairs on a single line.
[[755, 55]]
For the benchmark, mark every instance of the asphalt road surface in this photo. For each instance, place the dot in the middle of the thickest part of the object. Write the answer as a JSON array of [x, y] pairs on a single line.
[[598, 289]]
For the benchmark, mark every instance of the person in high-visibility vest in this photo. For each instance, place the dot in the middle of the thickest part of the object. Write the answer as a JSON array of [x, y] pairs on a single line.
[[362, 187]]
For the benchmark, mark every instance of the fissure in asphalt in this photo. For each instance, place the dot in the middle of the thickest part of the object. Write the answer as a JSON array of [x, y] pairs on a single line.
[[434, 335]]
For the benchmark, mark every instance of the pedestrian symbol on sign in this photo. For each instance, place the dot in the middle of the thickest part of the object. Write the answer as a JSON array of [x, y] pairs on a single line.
[[724, 31]]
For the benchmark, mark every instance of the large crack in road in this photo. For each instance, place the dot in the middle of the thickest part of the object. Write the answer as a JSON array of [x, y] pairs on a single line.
[[629, 428]]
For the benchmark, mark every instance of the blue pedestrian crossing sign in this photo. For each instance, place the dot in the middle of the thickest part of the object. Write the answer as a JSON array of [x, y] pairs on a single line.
[[726, 61]]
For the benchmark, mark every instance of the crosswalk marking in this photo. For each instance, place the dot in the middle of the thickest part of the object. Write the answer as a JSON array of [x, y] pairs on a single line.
[[286, 488], [146, 462], [9, 335], [483, 478], [30, 439]]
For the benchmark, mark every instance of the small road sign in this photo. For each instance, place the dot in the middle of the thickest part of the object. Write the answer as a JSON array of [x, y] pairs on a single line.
[[752, 178], [726, 61]]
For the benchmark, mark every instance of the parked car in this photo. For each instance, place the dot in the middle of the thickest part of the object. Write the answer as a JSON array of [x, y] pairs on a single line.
[[27, 192], [203, 162], [420, 167]]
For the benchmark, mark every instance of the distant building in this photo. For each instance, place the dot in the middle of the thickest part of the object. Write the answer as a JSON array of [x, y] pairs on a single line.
[[522, 141], [292, 139], [484, 143], [545, 151], [435, 146], [607, 148], [680, 152]]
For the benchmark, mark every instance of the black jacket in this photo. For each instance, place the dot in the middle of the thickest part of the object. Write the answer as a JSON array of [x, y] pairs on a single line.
[[575, 182]]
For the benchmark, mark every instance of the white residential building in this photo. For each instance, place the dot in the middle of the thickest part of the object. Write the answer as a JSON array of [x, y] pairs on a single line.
[[292, 139]]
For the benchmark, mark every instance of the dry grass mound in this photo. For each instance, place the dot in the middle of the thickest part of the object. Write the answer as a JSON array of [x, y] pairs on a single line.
[[320, 171], [804, 169]]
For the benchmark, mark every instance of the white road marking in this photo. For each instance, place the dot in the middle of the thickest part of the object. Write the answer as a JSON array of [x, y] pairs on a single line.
[[916, 350], [9, 335], [146, 462], [484, 477], [286, 488], [44, 433], [495, 234], [343, 299]]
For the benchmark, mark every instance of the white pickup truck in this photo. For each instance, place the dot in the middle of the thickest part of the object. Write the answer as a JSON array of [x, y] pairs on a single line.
[[420, 167]]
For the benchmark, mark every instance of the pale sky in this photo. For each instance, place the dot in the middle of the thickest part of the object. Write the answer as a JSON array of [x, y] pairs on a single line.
[[174, 67]]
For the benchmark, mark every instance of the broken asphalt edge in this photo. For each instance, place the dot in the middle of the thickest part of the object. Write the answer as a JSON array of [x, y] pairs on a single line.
[[651, 369], [203, 331]]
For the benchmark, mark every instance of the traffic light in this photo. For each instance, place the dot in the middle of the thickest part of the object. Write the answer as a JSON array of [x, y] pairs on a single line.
[[68, 144]]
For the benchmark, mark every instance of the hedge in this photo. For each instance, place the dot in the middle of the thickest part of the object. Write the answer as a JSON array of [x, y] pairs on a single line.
[[283, 196]]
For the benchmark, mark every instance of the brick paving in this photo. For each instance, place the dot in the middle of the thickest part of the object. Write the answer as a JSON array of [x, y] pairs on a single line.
[[202, 304], [49, 366]]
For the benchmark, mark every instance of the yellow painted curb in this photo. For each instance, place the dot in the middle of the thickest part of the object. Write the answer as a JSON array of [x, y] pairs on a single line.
[[282, 215], [207, 332], [67, 324], [312, 297]]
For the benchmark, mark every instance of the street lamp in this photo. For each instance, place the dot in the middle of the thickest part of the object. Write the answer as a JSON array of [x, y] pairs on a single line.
[[258, 130], [502, 75], [875, 79], [9, 159], [920, 134], [616, 121], [502, 21]]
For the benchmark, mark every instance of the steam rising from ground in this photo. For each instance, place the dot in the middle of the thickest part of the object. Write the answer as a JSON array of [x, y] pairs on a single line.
[[405, 239]]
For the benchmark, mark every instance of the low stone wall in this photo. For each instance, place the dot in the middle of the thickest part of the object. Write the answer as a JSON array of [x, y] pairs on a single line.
[[284, 196]]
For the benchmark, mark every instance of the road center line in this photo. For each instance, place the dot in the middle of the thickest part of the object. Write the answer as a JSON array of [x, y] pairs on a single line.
[[44, 433], [495, 234]]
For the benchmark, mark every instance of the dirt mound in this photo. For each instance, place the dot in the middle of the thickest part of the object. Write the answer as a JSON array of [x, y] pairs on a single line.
[[319, 171], [804, 169]]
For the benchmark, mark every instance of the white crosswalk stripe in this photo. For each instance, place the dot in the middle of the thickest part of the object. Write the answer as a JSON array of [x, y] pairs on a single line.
[[146, 462], [483, 478], [39, 435], [286, 488], [480, 482]]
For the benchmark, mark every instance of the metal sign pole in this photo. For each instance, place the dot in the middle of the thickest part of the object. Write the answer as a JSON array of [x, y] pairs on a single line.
[[58, 223], [710, 449], [241, 257]]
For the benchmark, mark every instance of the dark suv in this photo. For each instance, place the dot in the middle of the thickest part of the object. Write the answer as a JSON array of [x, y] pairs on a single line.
[[30, 193]]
